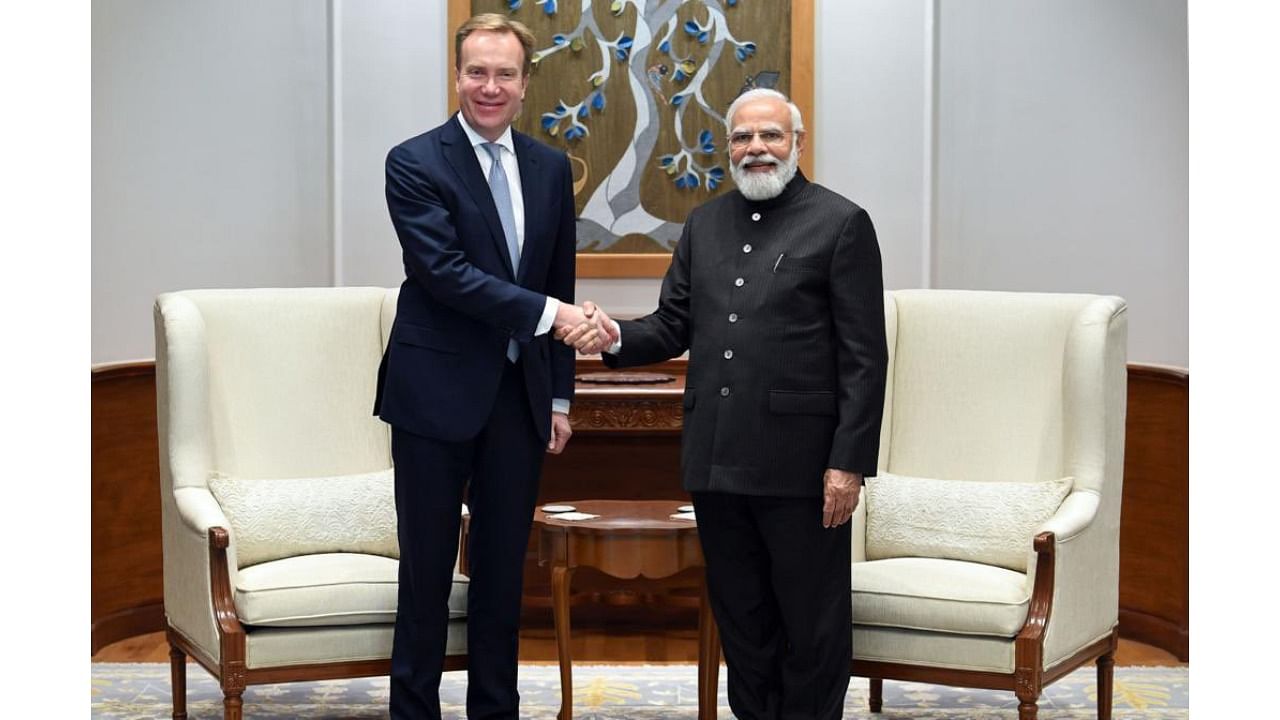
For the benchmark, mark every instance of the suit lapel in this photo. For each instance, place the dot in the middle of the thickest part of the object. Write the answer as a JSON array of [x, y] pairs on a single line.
[[529, 180], [462, 157]]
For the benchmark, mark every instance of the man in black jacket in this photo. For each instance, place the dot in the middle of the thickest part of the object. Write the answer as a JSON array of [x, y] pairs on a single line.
[[776, 291]]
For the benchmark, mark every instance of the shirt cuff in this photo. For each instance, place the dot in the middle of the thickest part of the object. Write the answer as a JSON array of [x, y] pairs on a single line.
[[548, 316], [560, 405], [616, 347]]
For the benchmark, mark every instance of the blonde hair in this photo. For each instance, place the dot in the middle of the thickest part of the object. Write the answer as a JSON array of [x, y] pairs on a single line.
[[499, 23]]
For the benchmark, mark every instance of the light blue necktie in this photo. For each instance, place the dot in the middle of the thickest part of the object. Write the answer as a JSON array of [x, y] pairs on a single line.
[[502, 199]]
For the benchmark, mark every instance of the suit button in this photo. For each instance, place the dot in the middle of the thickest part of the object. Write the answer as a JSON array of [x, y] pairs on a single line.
[[746, 248], [755, 217], [724, 391], [733, 317], [728, 354], [739, 282]]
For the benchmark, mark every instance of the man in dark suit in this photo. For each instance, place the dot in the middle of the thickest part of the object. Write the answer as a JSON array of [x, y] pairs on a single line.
[[473, 387], [776, 291]]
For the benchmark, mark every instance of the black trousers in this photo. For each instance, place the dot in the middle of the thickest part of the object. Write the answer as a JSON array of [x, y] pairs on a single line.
[[499, 470], [780, 591]]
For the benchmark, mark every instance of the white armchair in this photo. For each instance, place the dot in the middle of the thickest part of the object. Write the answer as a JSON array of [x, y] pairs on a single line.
[[280, 554], [986, 390]]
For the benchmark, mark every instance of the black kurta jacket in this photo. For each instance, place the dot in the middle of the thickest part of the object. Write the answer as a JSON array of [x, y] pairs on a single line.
[[781, 305]]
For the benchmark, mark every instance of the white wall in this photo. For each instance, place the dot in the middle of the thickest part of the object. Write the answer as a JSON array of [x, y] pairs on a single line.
[[390, 86], [1062, 156], [210, 155], [997, 145], [872, 104]]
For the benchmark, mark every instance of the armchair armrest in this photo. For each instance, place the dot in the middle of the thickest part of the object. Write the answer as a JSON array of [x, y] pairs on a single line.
[[1028, 646], [199, 510], [1073, 516], [1084, 536], [231, 636]]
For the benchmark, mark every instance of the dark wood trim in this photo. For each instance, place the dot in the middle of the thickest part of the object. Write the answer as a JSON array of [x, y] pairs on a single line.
[[129, 368], [1028, 646], [232, 675], [1155, 541], [1160, 373], [125, 624], [925, 674], [976, 678], [618, 265], [126, 566], [1155, 630], [1087, 654]]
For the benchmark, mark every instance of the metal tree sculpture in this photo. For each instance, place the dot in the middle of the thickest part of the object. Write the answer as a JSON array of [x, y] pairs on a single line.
[[662, 64]]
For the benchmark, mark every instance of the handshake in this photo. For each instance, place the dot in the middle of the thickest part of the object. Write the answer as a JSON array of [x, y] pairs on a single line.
[[587, 329]]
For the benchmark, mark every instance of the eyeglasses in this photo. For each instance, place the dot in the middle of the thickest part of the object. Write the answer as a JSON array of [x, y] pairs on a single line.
[[773, 138], [502, 77]]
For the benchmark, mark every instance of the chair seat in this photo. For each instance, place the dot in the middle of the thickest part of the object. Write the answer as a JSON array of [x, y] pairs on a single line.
[[327, 589], [950, 596]]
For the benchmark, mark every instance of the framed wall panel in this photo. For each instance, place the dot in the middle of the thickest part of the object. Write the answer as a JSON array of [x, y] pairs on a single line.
[[634, 91]]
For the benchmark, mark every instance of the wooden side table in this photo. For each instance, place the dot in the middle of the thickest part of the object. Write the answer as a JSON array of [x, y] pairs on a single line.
[[630, 539]]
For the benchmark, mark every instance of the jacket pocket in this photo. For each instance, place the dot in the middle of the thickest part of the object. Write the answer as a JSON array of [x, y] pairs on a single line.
[[424, 337], [803, 265], [689, 398], [802, 402]]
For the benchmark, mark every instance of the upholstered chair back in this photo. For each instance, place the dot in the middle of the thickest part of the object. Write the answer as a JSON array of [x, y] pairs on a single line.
[[978, 385], [291, 380], [288, 379]]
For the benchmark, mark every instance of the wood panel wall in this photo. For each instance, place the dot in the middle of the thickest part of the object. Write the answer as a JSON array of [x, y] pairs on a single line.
[[627, 445], [127, 589], [1154, 539]]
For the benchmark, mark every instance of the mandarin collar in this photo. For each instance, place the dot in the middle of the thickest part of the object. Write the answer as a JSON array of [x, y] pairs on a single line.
[[789, 192]]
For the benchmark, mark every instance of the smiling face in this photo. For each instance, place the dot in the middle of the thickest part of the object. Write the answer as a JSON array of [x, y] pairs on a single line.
[[763, 149], [491, 81]]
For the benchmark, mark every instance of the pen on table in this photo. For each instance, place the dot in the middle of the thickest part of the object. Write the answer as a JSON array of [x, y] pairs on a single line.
[[777, 262]]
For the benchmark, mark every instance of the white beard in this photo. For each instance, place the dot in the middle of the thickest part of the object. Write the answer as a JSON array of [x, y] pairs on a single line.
[[764, 185]]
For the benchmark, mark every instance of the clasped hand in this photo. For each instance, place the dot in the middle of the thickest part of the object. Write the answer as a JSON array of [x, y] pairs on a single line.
[[587, 329]]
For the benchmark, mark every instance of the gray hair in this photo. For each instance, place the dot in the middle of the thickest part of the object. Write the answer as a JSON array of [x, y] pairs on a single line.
[[797, 124]]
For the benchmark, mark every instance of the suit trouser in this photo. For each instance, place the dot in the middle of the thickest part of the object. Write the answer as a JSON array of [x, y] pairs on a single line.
[[499, 470], [779, 587]]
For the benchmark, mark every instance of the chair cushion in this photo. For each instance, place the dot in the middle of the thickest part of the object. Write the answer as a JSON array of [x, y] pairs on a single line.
[[327, 589], [984, 522], [949, 596], [281, 518]]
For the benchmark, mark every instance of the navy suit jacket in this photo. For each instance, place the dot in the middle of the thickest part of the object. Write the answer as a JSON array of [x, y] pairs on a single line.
[[461, 299]]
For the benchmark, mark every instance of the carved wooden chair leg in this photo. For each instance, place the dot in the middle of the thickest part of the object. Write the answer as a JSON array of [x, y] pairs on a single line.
[[178, 681], [876, 700], [1106, 668], [233, 705], [1028, 706], [1026, 685]]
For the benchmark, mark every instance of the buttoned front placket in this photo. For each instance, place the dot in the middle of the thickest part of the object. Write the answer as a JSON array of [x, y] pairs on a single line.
[[742, 277]]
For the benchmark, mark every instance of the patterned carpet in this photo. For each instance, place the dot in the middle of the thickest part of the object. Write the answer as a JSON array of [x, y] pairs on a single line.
[[631, 692]]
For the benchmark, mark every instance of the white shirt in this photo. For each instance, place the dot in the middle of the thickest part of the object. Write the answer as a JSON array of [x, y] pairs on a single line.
[[512, 168], [509, 164]]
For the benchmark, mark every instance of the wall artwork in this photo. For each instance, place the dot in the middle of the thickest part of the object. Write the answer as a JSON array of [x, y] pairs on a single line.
[[635, 91]]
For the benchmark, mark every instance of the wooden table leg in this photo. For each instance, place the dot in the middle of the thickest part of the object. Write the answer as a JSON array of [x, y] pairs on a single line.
[[560, 577], [708, 659]]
